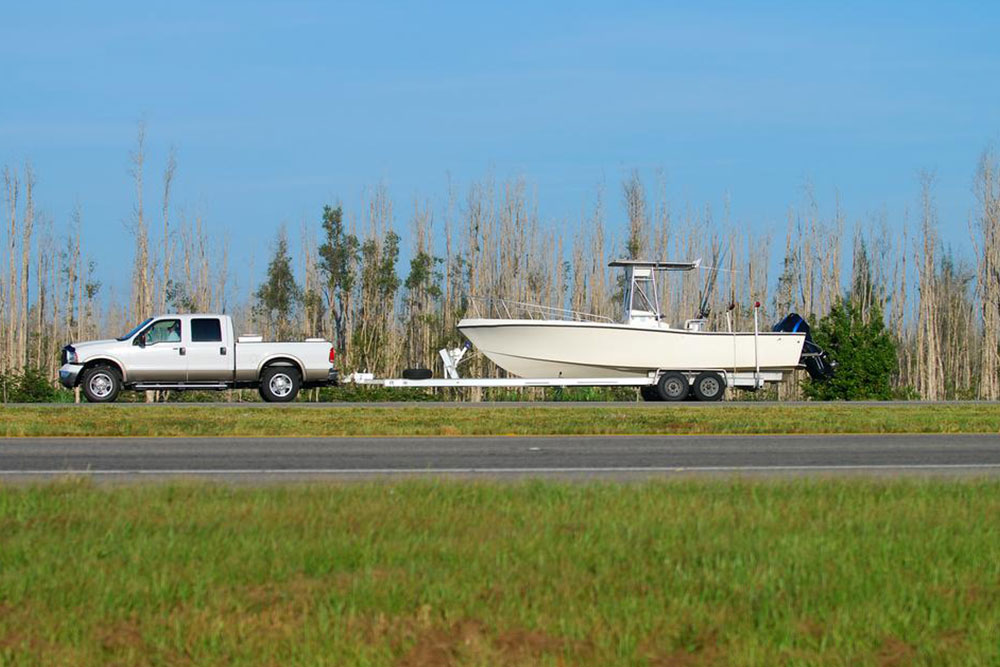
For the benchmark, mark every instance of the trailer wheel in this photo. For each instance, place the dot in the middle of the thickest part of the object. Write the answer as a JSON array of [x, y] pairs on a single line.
[[101, 384], [649, 393], [279, 384], [672, 386], [709, 386], [417, 374]]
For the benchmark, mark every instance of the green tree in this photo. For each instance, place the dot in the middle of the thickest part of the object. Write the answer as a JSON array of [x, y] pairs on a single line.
[[422, 305], [373, 332], [278, 299], [337, 257], [863, 349]]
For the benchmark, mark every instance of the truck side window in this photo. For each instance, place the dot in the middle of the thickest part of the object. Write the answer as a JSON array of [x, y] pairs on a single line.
[[164, 331], [206, 330]]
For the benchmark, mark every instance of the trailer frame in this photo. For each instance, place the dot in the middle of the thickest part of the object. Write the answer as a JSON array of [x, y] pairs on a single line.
[[453, 357]]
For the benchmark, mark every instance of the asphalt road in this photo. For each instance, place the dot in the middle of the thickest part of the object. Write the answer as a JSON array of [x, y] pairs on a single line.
[[616, 457]]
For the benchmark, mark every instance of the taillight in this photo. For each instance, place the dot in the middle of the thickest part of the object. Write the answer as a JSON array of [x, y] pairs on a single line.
[[332, 354]]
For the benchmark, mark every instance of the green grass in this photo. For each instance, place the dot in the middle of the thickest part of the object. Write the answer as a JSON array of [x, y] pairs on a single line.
[[207, 420], [829, 572]]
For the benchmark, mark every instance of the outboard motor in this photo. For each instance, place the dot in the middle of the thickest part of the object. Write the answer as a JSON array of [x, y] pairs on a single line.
[[817, 362]]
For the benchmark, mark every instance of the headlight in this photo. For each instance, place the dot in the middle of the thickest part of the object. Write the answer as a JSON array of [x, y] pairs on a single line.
[[70, 355]]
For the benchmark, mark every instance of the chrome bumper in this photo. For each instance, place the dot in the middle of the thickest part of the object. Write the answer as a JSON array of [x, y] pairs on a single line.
[[69, 373]]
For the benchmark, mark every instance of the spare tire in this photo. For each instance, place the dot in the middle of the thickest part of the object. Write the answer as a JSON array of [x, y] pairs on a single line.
[[417, 374]]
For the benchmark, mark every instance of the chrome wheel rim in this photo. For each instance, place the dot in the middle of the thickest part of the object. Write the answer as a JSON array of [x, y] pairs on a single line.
[[280, 385], [673, 387], [101, 385], [710, 386]]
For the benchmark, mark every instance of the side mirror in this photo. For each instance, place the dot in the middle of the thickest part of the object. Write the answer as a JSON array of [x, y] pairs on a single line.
[[140, 340]]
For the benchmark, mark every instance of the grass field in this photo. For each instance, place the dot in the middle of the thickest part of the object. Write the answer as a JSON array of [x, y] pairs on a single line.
[[434, 573], [205, 420]]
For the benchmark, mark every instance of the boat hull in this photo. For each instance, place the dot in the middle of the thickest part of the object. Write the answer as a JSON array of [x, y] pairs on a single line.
[[556, 348]]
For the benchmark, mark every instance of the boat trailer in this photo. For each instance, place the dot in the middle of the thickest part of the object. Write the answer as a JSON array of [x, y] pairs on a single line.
[[451, 359], [660, 384]]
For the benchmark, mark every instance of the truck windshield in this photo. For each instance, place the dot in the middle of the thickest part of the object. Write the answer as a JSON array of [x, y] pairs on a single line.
[[136, 330]]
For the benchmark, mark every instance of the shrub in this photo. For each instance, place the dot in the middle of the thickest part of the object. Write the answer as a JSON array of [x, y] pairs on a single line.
[[864, 351], [29, 386]]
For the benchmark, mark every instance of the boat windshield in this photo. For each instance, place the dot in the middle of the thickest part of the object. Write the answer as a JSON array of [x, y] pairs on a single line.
[[136, 330], [644, 295]]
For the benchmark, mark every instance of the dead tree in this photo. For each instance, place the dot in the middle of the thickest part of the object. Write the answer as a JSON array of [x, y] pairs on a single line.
[[141, 292], [929, 372], [987, 245]]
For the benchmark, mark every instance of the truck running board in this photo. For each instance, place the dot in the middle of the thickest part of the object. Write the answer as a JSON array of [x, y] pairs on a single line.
[[180, 386]]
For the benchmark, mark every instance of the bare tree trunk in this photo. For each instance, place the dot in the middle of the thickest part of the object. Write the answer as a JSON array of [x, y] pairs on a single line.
[[26, 228], [635, 205], [988, 274], [168, 179], [930, 375], [141, 298], [12, 186]]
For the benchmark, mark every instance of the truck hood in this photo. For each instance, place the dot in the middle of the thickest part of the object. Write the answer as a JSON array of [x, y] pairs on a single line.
[[95, 343], [92, 345]]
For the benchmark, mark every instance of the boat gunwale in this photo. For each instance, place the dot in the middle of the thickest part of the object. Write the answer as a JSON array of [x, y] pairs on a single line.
[[476, 323]]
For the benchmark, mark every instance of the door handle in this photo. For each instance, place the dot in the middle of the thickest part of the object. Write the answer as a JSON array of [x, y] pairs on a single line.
[[222, 351], [182, 351]]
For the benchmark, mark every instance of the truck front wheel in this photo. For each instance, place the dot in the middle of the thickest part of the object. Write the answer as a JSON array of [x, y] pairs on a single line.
[[280, 384], [101, 384]]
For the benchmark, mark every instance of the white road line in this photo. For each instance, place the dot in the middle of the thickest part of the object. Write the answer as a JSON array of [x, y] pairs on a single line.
[[486, 471]]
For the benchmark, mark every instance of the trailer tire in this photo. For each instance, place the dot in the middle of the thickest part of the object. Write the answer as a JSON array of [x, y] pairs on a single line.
[[279, 384], [672, 386], [101, 384], [709, 386], [417, 374]]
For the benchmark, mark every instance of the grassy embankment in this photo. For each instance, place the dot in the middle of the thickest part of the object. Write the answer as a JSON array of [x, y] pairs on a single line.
[[828, 572], [208, 420]]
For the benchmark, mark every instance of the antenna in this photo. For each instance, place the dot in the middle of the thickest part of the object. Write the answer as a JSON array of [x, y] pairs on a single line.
[[710, 280]]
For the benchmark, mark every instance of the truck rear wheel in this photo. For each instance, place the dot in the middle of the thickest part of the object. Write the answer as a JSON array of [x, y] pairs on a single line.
[[101, 384], [280, 384]]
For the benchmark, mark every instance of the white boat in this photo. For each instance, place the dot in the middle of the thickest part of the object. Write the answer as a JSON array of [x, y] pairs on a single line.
[[551, 343]]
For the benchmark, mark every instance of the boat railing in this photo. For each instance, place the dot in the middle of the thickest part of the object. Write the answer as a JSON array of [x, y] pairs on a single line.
[[491, 307]]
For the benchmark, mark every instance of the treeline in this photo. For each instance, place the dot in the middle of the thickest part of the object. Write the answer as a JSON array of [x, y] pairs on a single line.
[[342, 276]]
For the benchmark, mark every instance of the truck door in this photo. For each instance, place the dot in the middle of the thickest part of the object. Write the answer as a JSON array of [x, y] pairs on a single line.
[[158, 353], [208, 356]]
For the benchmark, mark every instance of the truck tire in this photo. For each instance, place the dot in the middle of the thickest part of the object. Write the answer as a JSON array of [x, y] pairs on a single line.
[[672, 386], [279, 384], [709, 386], [101, 384]]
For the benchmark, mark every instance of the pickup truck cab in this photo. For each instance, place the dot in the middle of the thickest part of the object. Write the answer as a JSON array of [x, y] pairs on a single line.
[[185, 352]]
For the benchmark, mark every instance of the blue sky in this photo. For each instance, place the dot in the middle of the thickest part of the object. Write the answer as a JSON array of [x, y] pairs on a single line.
[[278, 108]]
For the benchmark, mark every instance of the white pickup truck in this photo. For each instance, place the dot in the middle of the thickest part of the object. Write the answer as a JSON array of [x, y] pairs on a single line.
[[185, 352]]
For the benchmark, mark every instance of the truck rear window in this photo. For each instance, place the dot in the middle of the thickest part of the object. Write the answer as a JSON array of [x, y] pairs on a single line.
[[207, 330]]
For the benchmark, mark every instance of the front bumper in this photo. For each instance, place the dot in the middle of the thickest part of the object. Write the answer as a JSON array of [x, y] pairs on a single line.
[[69, 374]]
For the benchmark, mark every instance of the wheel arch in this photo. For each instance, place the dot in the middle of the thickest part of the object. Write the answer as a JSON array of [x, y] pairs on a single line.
[[282, 360], [103, 361]]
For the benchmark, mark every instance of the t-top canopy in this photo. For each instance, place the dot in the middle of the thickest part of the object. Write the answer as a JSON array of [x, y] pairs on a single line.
[[658, 266]]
